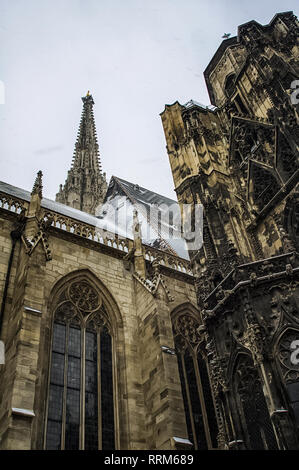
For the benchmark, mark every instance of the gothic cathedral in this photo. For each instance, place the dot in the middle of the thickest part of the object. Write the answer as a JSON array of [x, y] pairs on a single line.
[[131, 343]]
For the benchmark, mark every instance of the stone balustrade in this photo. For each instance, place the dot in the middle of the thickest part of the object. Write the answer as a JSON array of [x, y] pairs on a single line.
[[97, 234]]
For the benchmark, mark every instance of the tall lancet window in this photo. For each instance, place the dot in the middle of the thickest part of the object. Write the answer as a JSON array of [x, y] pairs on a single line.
[[80, 409], [196, 390], [252, 407]]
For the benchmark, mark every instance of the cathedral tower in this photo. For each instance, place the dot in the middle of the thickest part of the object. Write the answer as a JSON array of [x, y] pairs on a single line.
[[86, 185], [239, 158]]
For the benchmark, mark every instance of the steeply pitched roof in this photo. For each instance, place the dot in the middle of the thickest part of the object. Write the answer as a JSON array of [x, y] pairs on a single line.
[[140, 198], [160, 215]]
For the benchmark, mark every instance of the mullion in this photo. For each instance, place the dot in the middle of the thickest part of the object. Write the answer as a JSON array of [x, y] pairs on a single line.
[[64, 388], [73, 386], [185, 397], [100, 431], [195, 442], [197, 411], [91, 391], [202, 401], [108, 424], [81, 387], [56, 387], [82, 392]]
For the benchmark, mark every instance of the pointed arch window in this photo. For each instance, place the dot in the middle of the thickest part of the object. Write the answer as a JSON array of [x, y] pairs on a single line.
[[80, 409], [252, 407], [195, 383]]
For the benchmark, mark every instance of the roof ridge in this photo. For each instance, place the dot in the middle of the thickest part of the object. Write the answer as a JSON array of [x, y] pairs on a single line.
[[146, 189]]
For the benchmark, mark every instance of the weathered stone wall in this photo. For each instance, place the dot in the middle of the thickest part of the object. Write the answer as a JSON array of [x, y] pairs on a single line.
[[149, 407], [240, 160]]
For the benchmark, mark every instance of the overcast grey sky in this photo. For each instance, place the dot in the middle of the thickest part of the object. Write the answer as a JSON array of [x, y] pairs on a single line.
[[134, 56]]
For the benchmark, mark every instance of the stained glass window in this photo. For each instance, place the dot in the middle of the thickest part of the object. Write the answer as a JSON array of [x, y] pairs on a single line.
[[107, 391], [195, 384], [91, 392], [56, 388], [80, 401], [253, 407]]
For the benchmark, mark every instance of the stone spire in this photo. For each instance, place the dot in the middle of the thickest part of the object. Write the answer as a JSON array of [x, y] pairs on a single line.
[[36, 196], [86, 185], [38, 185]]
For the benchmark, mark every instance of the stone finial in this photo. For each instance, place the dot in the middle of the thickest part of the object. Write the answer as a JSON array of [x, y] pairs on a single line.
[[38, 186], [36, 197], [156, 268]]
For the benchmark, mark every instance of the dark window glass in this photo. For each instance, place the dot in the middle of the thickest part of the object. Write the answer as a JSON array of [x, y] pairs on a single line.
[[293, 392], [59, 338], [264, 417], [91, 393], [74, 372], [56, 388], [195, 402], [53, 435], [57, 369], [184, 393], [67, 349], [72, 419], [251, 397], [72, 425], [107, 392], [91, 346], [295, 407], [55, 403], [209, 404], [74, 346]]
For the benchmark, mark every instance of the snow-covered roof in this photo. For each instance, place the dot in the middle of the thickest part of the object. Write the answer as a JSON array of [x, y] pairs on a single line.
[[49, 204], [159, 216], [116, 214]]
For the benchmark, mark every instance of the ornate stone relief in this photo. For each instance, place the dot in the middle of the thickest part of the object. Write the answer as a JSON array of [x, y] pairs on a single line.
[[41, 236], [189, 328], [155, 281], [80, 304]]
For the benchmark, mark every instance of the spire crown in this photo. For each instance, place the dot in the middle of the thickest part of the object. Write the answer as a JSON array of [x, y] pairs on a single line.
[[86, 185], [88, 99]]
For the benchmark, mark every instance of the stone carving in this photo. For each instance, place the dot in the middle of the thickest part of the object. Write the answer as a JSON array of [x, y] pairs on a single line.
[[80, 304], [155, 281], [188, 327], [253, 339], [40, 237], [84, 296]]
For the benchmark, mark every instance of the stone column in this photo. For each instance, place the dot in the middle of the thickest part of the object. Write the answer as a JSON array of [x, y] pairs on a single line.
[[23, 330]]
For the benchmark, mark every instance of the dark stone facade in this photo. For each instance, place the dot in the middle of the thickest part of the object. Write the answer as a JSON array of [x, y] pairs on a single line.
[[239, 158]]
